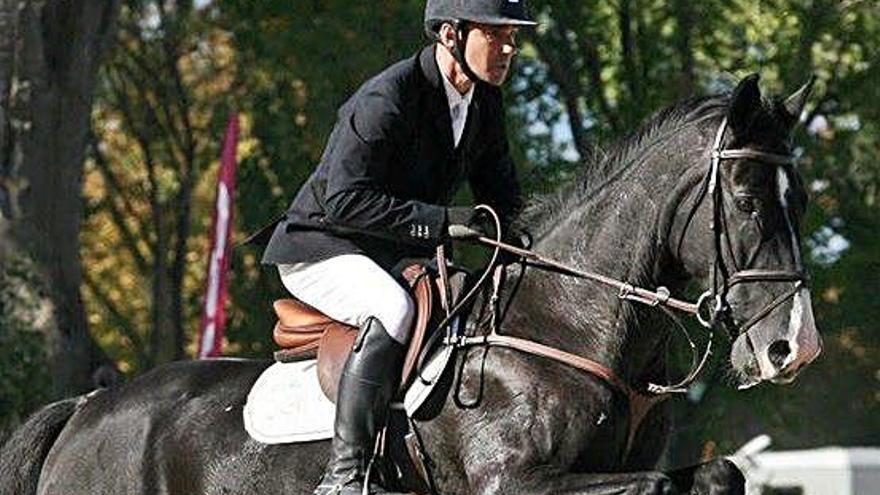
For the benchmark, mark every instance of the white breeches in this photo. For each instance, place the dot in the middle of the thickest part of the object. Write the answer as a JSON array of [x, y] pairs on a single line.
[[352, 288]]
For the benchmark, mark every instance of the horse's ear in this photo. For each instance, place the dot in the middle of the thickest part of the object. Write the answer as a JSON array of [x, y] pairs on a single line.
[[794, 104], [745, 101]]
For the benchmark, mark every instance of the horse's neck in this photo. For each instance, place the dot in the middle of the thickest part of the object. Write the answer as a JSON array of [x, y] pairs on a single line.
[[614, 233]]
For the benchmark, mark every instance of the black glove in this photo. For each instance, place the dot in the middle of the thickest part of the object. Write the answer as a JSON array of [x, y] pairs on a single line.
[[463, 222], [516, 238]]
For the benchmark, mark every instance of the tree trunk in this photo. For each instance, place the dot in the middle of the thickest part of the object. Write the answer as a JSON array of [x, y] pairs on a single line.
[[629, 52], [683, 10], [49, 54]]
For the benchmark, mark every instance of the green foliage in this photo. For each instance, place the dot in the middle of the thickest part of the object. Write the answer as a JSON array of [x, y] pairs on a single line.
[[301, 60], [24, 378], [161, 108]]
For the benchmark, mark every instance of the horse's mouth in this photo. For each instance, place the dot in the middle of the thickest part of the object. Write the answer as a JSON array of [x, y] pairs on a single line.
[[787, 376], [748, 376], [745, 364], [749, 373], [747, 385]]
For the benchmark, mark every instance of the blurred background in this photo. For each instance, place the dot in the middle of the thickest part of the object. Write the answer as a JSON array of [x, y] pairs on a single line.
[[112, 116]]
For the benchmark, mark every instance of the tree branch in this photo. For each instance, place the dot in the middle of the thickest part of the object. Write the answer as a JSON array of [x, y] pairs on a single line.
[[630, 64], [187, 183], [125, 325], [560, 68], [684, 17], [119, 218]]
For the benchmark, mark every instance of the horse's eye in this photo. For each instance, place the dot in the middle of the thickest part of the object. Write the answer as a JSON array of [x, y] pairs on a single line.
[[745, 204]]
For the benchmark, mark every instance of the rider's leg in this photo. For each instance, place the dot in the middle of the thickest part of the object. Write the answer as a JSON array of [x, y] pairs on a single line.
[[353, 289], [368, 383]]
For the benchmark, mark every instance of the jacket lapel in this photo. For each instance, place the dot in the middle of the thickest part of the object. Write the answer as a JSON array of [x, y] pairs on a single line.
[[438, 104], [471, 125]]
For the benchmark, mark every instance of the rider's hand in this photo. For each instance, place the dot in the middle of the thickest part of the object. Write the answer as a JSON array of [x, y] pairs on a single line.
[[517, 238], [463, 222]]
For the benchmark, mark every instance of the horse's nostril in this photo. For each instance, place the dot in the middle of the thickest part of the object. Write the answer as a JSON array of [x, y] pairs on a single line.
[[778, 351]]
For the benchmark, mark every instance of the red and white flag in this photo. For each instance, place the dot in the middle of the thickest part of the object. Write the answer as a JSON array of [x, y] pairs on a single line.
[[214, 311]]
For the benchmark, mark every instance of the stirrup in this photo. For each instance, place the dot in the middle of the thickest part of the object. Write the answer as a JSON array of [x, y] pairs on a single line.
[[350, 486]]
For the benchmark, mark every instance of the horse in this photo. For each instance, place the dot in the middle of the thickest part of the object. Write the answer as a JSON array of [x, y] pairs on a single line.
[[702, 195]]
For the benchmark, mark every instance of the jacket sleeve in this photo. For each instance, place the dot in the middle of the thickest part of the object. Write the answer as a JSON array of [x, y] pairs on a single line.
[[360, 165], [493, 177]]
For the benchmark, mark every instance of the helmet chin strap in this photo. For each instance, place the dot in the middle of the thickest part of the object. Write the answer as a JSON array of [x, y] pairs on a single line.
[[462, 29]]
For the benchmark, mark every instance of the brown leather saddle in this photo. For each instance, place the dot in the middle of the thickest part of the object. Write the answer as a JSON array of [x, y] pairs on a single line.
[[303, 332]]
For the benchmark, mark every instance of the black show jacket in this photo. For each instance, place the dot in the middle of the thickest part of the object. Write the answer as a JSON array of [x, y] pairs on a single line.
[[390, 169]]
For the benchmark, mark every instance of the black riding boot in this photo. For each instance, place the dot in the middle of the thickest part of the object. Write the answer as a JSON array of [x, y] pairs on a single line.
[[369, 380]]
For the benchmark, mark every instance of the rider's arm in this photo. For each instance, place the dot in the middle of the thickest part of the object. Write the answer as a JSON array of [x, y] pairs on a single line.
[[361, 165]]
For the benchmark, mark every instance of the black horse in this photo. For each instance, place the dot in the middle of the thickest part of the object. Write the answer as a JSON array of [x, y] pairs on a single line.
[[651, 213]]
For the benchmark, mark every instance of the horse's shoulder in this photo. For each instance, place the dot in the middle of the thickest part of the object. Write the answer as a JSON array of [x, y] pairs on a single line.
[[541, 384]]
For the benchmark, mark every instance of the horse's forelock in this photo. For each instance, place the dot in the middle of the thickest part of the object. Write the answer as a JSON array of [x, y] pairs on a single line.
[[768, 126]]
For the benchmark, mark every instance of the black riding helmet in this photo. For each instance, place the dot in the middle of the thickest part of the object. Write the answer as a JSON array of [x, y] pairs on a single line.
[[461, 13]]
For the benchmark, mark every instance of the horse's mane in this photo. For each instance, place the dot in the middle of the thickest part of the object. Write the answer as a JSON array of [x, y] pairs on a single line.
[[607, 164]]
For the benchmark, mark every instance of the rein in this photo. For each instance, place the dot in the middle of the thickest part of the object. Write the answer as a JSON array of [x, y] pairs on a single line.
[[709, 309]]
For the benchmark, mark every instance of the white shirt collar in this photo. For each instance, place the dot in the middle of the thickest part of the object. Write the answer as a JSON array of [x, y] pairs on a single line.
[[458, 105], [452, 94]]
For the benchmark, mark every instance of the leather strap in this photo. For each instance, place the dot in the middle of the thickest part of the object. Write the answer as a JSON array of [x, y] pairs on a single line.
[[537, 349], [640, 404], [761, 275]]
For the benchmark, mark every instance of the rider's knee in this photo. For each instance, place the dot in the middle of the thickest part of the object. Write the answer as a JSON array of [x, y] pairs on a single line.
[[396, 314]]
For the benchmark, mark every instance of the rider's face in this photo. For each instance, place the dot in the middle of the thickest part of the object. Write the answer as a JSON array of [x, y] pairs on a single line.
[[490, 50]]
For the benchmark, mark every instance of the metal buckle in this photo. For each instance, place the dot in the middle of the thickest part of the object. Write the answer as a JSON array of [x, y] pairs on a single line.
[[706, 314]]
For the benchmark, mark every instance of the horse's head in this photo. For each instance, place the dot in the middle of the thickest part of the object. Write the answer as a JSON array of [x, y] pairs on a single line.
[[754, 199]]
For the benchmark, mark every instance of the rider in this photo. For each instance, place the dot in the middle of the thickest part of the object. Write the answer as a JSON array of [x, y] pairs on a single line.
[[400, 149]]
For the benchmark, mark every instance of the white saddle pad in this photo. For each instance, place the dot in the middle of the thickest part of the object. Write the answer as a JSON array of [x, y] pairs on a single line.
[[286, 405]]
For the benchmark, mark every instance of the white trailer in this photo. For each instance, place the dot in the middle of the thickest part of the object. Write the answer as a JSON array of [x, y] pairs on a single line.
[[824, 471]]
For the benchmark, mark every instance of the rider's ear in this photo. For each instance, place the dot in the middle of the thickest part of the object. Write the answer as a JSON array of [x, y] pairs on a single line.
[[446, 35], [794, 104], [746, 100]]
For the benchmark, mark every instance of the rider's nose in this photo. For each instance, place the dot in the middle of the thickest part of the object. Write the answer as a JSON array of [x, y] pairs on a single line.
[[778, 353]]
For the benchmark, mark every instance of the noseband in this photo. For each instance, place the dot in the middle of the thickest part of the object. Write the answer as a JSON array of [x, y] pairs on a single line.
[[722, 278]]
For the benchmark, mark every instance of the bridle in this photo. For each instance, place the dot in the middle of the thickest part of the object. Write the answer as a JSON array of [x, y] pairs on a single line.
[[722, 277], [711, 308]]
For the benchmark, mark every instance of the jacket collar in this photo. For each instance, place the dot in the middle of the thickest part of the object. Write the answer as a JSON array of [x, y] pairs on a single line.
[[439, 104], [429, 67]]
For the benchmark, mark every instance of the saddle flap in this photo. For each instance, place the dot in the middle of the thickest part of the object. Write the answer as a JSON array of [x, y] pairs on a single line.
[[333, 351], [420, 283]]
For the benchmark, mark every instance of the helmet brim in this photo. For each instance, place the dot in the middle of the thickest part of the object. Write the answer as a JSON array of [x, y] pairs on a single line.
[[503, 21]]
